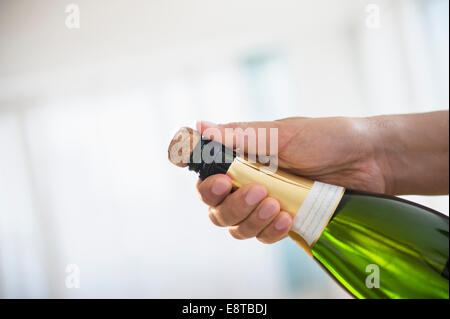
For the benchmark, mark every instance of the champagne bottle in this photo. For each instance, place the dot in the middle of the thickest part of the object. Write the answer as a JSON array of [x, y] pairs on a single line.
[[373, 245]]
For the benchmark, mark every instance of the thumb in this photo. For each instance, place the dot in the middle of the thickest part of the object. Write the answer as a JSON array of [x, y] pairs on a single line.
[[256, 138]]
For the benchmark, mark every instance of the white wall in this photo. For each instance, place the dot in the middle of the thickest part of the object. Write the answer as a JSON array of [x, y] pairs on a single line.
[[86, 115]]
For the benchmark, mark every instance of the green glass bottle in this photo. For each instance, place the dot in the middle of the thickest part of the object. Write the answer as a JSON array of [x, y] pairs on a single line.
[[380, 246]]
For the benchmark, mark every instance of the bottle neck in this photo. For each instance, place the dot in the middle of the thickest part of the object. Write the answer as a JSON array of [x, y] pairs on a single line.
[[210, 158]]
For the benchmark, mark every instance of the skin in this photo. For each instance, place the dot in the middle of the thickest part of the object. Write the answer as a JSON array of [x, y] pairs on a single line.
[[392, 154]]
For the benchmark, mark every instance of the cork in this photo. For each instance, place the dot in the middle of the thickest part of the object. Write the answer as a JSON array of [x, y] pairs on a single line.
[[182, 146]]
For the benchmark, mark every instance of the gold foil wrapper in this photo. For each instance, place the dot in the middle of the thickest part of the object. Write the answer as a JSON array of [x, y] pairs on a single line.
[[290, 190]]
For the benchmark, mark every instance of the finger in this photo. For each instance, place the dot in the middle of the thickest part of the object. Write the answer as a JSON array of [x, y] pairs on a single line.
[[258, 219], [242, 136], [277, 229], [213, 218], [214, 189], [237, 206]]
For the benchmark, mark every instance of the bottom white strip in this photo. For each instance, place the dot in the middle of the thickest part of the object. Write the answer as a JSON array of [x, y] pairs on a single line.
[[316, 211]]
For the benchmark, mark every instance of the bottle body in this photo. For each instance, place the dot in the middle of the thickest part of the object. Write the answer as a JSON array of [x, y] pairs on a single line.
[[383, 247]]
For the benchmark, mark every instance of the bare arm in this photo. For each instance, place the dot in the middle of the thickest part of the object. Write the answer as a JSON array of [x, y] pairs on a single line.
[[413, 151]]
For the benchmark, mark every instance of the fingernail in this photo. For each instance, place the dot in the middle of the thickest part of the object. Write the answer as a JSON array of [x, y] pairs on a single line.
[[219, 187], [283, 222], [268, 210], [255, 195]]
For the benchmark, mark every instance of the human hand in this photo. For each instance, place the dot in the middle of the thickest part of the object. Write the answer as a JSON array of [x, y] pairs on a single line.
[[333, 150]]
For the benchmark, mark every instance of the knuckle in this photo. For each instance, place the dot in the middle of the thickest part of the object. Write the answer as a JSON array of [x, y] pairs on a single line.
[[232, 212], [235, 233], [252, 226], [224, 215], [249, 230], [244, 232], [236, 214], [214, 219], [262, 239], [266, 238]]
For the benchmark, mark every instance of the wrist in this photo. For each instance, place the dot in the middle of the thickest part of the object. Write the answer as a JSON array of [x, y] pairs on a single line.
[[382, 136]]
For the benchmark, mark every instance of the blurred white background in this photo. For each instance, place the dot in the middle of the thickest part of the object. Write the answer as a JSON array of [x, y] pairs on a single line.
[[86, 115]]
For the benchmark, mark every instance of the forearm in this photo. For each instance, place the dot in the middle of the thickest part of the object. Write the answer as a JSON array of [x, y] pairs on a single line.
[[413, 152]]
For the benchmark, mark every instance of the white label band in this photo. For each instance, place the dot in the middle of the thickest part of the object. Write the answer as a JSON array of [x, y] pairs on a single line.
[[316, 211]]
